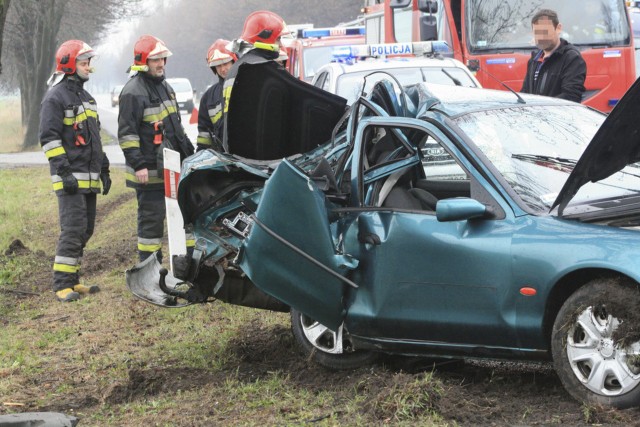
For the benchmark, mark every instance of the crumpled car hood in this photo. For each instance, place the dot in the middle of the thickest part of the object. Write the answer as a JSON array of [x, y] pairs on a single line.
[[615, 145]]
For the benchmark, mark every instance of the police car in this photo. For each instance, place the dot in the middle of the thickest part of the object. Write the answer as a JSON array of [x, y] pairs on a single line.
[[409, 63]]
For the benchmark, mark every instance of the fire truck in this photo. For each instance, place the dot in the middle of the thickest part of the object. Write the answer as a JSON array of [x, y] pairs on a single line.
[[311, 48], [494, 37]]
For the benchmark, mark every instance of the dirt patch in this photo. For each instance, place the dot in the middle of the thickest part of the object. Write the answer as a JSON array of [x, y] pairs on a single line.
[[144, 383]]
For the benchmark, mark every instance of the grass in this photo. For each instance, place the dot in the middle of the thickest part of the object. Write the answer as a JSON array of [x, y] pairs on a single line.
[[111, 359]]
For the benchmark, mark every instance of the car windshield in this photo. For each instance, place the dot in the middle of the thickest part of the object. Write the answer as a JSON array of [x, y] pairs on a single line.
[[180, 85], [535, 148], [506, 24], [349, 85]]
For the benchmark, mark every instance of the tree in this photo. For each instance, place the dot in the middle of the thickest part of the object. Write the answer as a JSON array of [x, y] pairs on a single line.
[[4, 7], [35, 29]]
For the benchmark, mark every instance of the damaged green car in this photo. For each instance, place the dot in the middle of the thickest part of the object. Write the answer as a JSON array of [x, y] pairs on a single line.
[[427, 220]]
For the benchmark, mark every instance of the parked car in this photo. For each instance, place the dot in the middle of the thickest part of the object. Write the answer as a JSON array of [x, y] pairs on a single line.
[[115, 95], [347, 79], [523, 244], [184, 93]]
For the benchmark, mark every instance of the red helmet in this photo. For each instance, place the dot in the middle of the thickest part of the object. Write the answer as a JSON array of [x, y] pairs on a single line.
[[218, 53], [70, 52], [149, 47], [262, 29]]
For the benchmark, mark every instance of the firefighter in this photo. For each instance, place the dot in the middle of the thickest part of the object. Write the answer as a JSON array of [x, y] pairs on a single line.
[[259, 42], [210, 128], [70, 139], [148, 120]]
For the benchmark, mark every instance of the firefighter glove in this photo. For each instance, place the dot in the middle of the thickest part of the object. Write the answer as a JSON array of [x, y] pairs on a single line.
[[69, 182], [106, 182]]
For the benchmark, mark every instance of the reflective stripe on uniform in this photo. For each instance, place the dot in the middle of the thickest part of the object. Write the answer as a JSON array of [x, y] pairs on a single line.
[[191, 239], [149, 245], [85, 180], [84, 111], [53, 148], [156, 114], [154, 177], [204, 138], [129, 141], [215, 114], [226, 92], [65, 264]]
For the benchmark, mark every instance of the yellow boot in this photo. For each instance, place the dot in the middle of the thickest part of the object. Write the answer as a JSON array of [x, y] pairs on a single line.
[[84, 290], [67, 295]]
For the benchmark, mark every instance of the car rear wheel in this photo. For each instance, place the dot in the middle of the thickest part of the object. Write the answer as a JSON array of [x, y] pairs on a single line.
[[330, 349], [596, 344]]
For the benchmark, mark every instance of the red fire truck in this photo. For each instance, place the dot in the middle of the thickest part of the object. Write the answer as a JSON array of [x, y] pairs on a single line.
[[313, 47], [493, 37]]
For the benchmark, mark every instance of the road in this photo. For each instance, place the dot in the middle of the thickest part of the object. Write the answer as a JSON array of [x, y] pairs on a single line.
[[109, 120]]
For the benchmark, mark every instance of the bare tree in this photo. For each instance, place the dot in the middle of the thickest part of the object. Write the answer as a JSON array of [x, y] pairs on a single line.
[[4, 7], [35, 29]]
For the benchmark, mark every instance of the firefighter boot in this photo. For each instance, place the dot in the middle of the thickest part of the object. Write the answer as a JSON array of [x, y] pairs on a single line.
[[67, 295], [84, 290]]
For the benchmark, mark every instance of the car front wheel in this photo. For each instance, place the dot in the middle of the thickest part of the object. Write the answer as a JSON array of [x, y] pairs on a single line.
[[331, 349], [596, 344]]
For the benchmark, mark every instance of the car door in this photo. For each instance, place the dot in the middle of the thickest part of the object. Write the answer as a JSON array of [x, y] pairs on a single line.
[[423, 279], [290, 252]]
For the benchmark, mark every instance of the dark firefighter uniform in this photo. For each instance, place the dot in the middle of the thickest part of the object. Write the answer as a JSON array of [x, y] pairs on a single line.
[[210, 123], [148, 120], [70, 138]]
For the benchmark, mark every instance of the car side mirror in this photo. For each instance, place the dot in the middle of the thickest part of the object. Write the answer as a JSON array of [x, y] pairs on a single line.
[[428, 6], [428, 28], [399, 4], [459, 209]]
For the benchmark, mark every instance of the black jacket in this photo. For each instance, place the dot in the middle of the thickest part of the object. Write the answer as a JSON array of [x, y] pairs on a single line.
[[148, 109], [210, 123], [70, 135], [561, 75]]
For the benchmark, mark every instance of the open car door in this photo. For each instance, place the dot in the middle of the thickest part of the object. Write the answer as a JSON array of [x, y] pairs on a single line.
[[290, 253]]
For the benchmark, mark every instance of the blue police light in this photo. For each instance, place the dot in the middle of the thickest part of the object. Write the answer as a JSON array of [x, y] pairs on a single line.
[[327, 32]]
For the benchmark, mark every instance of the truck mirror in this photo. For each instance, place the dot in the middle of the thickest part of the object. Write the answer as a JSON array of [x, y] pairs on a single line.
[[399, 4], [428, 28], [428, 6]]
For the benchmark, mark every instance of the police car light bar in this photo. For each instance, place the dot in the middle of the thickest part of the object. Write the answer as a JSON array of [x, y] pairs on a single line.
[[327, 32], [348, 53]]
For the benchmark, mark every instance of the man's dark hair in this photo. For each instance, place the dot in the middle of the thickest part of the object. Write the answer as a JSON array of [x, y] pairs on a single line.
[[546, 13]]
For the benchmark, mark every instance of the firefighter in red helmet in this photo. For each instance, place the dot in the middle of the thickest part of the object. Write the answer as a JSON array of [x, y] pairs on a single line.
[[210, 129], [259, 42], [70, 139], [148, 120]]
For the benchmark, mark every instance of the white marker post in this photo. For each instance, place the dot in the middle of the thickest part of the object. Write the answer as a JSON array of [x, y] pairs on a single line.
[[175, 223]]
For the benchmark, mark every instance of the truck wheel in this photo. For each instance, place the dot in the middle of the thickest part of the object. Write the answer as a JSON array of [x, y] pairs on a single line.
[[596, 343]]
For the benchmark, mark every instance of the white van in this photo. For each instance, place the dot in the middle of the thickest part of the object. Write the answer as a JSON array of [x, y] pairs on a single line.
[[184, 93]]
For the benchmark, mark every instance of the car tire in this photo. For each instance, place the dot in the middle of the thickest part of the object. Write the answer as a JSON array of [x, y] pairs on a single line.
[[596, 358], [188, 106], [325, 347]]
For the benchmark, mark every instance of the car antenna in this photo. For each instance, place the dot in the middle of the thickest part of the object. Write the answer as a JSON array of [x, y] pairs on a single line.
[[520, 99], [453, 79]]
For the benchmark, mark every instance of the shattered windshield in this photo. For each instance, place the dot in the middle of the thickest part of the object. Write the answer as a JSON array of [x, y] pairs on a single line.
[[535, 149], [506, 24]]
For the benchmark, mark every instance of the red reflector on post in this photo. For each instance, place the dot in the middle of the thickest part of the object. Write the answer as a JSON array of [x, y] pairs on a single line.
[[528, 292]]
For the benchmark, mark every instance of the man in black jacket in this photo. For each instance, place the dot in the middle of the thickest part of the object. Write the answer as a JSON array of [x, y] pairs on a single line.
[[70, 138], [557, 69], [149, 120]]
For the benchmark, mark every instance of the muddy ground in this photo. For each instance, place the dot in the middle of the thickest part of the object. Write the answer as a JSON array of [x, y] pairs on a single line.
[[473, 393]]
